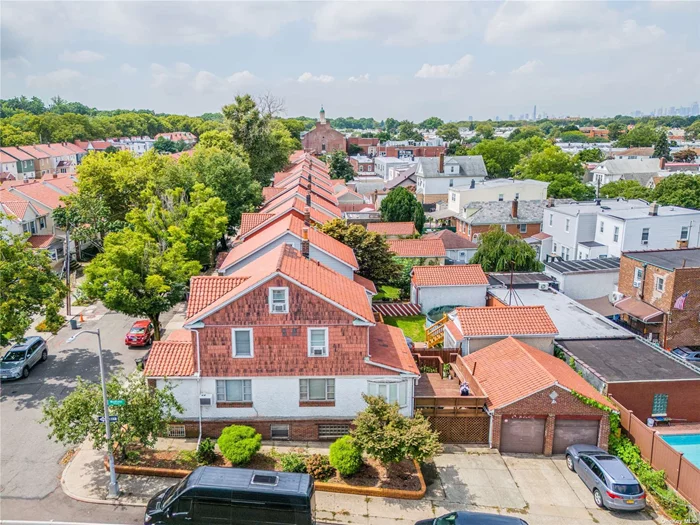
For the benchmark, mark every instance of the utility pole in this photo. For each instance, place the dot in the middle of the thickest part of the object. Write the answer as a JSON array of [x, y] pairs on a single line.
[[68, 269]]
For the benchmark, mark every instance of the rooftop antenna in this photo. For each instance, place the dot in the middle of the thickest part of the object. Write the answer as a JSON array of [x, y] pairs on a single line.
[[512, 296]]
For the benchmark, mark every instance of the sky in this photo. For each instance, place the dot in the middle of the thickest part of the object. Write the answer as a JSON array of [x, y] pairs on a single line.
[[408, 60]]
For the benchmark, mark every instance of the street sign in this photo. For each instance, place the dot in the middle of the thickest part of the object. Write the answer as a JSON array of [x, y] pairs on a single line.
[[116, 402], [112, 419]]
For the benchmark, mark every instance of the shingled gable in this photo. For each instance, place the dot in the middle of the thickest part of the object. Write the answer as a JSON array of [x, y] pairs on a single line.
[[289, 263], [293, 225]]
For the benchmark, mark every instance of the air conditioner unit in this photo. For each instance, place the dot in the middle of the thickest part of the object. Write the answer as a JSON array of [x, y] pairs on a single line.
[[279, 308], [205, 400], [615, 297], [318, 351], [636, 284], [542, 285], [645, 243]]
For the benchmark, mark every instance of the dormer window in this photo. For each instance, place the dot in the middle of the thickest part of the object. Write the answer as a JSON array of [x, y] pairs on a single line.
[[279, 300]]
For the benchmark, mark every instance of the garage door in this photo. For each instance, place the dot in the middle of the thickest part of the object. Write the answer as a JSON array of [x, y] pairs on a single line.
[[522, 435], [574, 431]]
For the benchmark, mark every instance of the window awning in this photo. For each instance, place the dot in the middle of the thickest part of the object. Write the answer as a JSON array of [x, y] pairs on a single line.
[[639, 309]]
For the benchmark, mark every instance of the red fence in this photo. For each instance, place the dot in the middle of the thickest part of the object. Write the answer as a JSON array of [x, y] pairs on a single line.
[[680, 473]]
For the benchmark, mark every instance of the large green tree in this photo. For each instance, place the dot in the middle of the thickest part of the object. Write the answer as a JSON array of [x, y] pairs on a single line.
[[375, 260], [551, 160], [431, 123], [615, 130], [400, 205], [339, 167], [87, 217], [641, 136], [28, 286], [485, 130], [662, 149], [627, 189], [500, 156], [499, 251], [407, 131], [679, 190], [138, 276], [685, 155], [449, 133], [590, 155]]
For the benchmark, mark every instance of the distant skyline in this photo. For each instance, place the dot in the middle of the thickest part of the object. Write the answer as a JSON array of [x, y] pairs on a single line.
[[364, 59]]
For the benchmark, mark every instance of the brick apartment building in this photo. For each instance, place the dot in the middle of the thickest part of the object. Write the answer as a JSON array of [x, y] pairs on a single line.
[[409, 151], [655, 284], [367, 146], [323, 138], [362, 164]]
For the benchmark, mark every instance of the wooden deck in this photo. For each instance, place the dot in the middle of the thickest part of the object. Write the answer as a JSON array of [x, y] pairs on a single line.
[[432, 385]]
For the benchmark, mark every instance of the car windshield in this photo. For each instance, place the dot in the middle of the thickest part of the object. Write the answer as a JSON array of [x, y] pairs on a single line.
[[14, 355], [173, 492], [137, 330], [629, 489]]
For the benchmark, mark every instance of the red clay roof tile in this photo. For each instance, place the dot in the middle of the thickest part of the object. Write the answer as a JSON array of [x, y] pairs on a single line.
[[170, 358], [417, 247], [453, 275], [387, 346], [392, 228], [205, 289], [451, 240], [505, 320]]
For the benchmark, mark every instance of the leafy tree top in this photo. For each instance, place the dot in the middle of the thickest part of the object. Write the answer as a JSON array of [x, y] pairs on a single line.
[[499, 251], [400, 205]]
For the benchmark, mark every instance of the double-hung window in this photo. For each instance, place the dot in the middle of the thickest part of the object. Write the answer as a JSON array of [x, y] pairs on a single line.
[[684, 233], [637, 277], [616, 234], [279, 300], [568, 221], [234, 390], [318, 342], [317, 389], [551, 218], [660, 281], [242, 339], [391, 392], [523, 228], [645, 235], [602, 226]]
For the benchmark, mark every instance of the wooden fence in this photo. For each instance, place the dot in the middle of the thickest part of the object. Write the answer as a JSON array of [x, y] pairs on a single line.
[[680, 473], [464, 406]]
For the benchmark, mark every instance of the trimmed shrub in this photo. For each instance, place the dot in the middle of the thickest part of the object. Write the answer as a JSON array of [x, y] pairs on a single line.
[[238, 443], [206, 454], [319, 467], [346, 456], [293, 462]]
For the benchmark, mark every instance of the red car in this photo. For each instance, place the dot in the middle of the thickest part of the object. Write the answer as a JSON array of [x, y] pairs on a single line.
[[141, 334]]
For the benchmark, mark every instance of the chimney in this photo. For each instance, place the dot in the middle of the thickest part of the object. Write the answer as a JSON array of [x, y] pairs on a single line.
[[441, 165], [55, 175], [662, 163], [307, 216], [305, 242], [308, 197], [653, 209], [514, 209], [550, 202]]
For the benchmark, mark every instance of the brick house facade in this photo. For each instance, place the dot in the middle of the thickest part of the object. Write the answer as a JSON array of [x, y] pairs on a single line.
[[323, 138], [523, 230], [410, 151]]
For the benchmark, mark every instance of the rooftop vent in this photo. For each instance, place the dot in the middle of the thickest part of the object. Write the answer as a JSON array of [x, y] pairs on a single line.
[[264, 479]]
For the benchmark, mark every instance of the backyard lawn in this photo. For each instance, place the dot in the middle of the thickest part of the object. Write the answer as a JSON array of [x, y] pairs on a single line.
[[387, 293], [413, 326]]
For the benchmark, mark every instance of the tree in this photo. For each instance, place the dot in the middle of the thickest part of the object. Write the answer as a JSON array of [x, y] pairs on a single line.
[[484, 130], [271, 105], [390, 437], [661, 148], [431, 123], [138, 277], [402, 206], [222, 140], [590, 155], [500, 156], [339, 167], [87, 217], [14, 136], [566, 186], [407, 131], [615, 130], [449, 133], [526, 132], [142, 419], [532, 145], [163, 145], [500, 251], [295, 128], [28, 286], [640, 136], [627, 189], [375, 260], [686, 155], [354, 149], [391, 125], [680, 189], [551, 160], [573, 136]]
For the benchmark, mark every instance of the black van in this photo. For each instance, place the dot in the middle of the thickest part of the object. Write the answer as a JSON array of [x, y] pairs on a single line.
[[215, 495]]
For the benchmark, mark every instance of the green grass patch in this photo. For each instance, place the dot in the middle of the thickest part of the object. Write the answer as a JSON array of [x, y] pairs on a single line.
[[388, 293], [413, 326]]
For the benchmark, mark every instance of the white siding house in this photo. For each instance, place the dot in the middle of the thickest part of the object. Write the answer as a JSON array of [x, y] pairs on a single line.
[[496, 190]]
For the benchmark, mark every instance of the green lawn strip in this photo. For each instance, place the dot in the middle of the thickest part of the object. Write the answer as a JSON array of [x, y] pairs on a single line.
[[413, 326], [387, 293]]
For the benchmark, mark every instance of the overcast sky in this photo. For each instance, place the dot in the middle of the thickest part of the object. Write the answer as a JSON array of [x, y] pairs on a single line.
[[401, 59]]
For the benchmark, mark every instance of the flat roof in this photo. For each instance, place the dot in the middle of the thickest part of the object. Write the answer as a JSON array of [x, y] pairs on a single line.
[[591, 244], [642, 213], [521, 278], [572, 319], [668, 259], [591, 207], [628, 360], [609, 264]]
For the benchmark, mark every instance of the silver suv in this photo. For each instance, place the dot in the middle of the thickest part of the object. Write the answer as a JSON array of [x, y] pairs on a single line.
[[21, 357], [613, 485]]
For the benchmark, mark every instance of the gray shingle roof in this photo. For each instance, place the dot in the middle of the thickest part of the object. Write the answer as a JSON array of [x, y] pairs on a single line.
[[469, 166], [629, 166], [498, 212], [585, 265]]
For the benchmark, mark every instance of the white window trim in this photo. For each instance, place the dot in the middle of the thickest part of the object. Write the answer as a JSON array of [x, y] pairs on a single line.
[[308, 389], [522, 228], [637, 282], [659, 279], [566, 225], [286, 299], [308, 340], [233, 343], [685, 229], [243, 399], [400, 385]]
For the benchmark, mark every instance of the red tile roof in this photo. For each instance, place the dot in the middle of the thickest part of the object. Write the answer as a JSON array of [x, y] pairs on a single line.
[[417, 247], [205, 289], [541, 236], [387, 346], [35, 152], [179, 335], [270, 192], [392, 228], [251, 220], [451, 240], [170, 358], [56, 149], [5, 157], [41, 241], [453, 275], [76, 149], [39, 191], [505, 320], [299, 194], [13, 204], [369, 285], [510, 370], [17, 153], [292, 224]]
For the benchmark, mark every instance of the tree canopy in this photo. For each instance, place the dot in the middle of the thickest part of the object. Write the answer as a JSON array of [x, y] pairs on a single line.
[[590, 155], [640, 136], [431, 123], [500, 251], [339, 166], [678, 190], [400, 205], [500, 156], [449, 133], [662, 148], [627, 189]]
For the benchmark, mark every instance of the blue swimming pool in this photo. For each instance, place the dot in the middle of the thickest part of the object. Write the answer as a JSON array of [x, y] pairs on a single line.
[[689, 444]]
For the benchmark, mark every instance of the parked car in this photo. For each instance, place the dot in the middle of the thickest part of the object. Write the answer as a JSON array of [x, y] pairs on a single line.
[[688, 353], [21, 357], [241, 496], [464, 517], [607, 477], [141, 334]]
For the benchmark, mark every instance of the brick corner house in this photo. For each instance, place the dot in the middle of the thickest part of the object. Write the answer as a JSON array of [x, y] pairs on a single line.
[[285, 345], [323, 138]]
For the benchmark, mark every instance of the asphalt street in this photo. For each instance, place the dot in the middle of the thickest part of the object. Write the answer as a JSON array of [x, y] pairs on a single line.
[[30, 463]]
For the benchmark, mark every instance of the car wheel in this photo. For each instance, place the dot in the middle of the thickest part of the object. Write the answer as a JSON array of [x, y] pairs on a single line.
[[25, 372], [598, 498], [570, 463], [44, 355]]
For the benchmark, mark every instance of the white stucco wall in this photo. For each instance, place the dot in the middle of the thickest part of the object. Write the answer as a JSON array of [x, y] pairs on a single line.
[[441, 185], [455, 254], [431, 296], [585, 285], [525, 190], [278, 397]]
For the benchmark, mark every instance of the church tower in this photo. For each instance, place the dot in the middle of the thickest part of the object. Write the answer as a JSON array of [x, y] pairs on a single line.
[[322, 116]]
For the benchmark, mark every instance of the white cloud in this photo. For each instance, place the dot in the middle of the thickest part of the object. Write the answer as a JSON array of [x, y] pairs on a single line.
[[128, 69], [207, 82], [162, 76], [61, 78], [527, 68], [455, 70], [308, 77], [15, 62], [360, 78], [491, 73], [80, 57], [241, 77]]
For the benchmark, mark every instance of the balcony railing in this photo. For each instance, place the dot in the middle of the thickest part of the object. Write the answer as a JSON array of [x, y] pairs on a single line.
[[462, 406]]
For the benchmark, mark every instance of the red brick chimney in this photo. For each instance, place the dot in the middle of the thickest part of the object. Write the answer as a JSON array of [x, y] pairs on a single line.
[[307, 216], [441, 164], [662, 163], [653, 209], [305, 242], [514, 209]]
